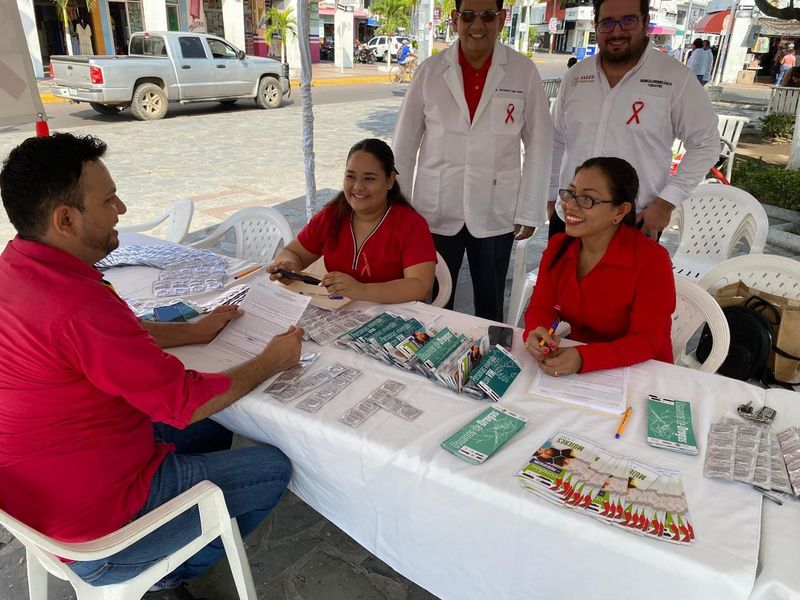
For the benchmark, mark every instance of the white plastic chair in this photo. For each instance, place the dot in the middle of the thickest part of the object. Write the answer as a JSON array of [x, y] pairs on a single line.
[[522, 284], [694, 307], [42, 552], [711, 222], [445, 282], [730, 128], [777, 275], [259, 231], [180, 218]]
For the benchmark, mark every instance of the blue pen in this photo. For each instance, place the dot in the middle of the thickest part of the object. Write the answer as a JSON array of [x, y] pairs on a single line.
[[329, 296], [554, 325]]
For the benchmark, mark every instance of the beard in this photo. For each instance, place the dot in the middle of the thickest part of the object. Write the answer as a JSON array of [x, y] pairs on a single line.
[[632, 52], [103, 243]]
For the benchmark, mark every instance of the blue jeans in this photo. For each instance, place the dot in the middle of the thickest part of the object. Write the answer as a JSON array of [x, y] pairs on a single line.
[[252, 480], [781, 73]]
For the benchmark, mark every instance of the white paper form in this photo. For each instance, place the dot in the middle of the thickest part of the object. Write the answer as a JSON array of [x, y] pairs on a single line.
[[603, 391], [268, 311]]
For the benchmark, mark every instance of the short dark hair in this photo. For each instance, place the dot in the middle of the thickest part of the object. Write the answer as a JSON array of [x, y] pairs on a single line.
[[644, 8], [43, 173], [697, 43], [498, 2]]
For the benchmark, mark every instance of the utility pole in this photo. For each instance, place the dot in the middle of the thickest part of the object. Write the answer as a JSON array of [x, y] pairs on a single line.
[[726, 44]]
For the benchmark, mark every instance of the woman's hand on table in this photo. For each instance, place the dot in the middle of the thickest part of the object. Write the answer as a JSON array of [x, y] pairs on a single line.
[[287, 265], [565, 361], [538, 350], [340, 284], [206, 328]]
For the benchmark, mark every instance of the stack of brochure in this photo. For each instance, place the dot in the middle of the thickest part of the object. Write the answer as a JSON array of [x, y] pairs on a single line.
[[442, 355], [575, 473]]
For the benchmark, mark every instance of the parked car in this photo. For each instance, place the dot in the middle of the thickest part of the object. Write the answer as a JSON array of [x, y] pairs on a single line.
[[163, 67], [381, 44]]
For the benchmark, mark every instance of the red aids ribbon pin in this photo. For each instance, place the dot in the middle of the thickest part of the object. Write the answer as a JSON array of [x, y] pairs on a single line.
[[509, 113], [637, 108]]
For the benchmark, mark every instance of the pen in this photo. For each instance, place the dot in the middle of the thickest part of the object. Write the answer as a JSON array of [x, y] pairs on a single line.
[[328, 295], [623, 422], [247, 272], [553, 326]]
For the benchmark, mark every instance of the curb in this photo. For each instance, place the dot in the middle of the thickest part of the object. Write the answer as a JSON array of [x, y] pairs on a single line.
[[50, 98], [778, 236], [330, 81]]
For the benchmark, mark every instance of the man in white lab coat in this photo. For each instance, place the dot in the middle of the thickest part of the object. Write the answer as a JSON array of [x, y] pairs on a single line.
[[631, 102], [457, 140]]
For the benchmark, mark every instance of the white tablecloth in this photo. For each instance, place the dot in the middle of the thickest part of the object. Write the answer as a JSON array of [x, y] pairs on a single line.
[[464, 531]]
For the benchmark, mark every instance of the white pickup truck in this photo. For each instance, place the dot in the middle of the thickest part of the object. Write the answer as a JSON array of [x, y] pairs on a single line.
[[164, 67]]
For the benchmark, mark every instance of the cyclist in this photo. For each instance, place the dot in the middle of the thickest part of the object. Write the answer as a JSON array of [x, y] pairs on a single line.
[[405, 57]]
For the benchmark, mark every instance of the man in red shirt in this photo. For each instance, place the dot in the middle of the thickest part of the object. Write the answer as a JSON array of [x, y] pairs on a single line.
[[98, 425]]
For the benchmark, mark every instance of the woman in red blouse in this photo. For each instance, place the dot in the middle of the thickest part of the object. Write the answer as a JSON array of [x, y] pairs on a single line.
[[614, 285], [376, 247]]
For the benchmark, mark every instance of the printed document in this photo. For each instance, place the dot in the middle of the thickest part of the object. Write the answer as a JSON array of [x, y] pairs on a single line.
[[268, 311], [602, 391]]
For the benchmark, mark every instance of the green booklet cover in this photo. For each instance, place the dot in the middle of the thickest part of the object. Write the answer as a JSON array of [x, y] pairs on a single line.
[[669, 425], [485, 434], [495, 374]]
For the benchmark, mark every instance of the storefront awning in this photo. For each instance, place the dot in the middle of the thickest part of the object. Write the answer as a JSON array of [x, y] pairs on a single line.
[[714, 24], [778, 27], [661, 30]]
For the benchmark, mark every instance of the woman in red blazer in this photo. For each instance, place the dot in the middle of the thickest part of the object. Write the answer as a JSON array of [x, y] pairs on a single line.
[[612, 284]]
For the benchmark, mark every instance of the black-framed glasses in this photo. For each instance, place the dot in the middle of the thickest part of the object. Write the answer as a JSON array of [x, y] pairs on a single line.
[[626, 23], [585, 202], [487, 16]]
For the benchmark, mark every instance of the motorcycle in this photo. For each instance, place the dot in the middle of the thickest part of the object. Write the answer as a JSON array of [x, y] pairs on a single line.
[[364, 54]]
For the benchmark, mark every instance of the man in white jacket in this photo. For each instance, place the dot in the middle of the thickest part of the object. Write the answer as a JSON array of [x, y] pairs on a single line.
[[632, 103], [457, 140], [700, 61]]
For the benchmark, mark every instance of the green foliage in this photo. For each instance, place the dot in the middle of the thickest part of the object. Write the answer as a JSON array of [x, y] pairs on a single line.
[[776, 127], [434, 51], [395, 15], [448, 6], [529, 54], [62, 5], [281, 22], [771, 184]]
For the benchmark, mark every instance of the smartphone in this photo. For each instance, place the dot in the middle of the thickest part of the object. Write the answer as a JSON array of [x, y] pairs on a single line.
[[502, 336], [299, 277], [169, 314]]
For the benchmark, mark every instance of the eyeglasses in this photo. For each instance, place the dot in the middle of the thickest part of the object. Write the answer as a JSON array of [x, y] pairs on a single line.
[[626, 23], [584, 202], [487, 16]]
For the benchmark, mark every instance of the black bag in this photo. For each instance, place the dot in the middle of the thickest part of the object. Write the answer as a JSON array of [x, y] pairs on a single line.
[[751, 341]]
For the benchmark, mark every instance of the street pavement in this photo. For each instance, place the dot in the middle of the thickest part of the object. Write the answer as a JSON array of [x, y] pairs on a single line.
[[226, 160]]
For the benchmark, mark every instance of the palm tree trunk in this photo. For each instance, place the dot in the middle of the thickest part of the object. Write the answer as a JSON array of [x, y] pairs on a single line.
[[794, 153], [303, 25]]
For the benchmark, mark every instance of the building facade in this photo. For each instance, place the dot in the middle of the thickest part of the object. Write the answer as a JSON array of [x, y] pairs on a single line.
[[108, 26]]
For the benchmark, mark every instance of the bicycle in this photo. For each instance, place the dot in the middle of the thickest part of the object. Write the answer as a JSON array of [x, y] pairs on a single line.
[[715, 174], [402, 73]]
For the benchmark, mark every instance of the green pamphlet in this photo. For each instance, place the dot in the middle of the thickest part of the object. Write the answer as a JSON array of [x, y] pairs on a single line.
[[495, 374], [669, 425], [485, 434]]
